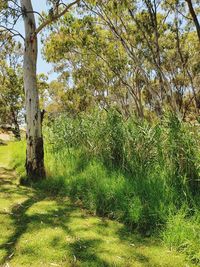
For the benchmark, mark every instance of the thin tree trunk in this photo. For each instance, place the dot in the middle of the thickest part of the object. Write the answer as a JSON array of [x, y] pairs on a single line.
[[16, 130], [34, 152], [185, 67], [194, 17]]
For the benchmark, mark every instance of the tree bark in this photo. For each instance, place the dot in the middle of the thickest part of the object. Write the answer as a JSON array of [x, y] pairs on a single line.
[[34, 151], [194, 17]]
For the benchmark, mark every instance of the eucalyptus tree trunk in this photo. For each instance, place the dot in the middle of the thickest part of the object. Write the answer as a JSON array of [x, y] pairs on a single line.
[[194, 17], [34, 151]]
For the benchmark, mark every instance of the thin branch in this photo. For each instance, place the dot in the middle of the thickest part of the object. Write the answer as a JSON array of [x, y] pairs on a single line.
[[35, 12], [172, 7], [57, 16], [12, 31], [15, 3]]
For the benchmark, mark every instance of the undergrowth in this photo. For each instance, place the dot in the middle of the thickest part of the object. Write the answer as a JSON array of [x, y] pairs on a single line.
[[143, 174]]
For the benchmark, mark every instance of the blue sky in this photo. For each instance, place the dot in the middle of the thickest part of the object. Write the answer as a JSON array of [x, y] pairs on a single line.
[[42, 65]]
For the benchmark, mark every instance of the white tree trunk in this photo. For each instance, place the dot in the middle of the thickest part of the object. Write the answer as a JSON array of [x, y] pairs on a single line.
[[34, 152]]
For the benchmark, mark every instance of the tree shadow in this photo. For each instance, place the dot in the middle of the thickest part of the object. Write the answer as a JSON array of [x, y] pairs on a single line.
[[5, 182], [20, 223], [130, 239], [3, 143], [7, 172], [84, 251], [125, 234]]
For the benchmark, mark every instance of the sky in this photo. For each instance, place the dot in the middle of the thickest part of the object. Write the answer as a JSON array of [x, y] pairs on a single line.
[[42, 65]]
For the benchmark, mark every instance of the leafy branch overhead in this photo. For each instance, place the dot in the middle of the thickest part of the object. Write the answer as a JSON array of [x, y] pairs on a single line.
[[12, 11]]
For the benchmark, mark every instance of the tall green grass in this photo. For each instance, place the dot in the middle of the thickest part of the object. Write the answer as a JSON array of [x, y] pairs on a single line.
[[182, 233], [143, 174]]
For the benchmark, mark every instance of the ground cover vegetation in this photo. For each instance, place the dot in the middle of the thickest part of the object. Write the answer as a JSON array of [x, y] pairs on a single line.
[[143, 175], [121, 121]]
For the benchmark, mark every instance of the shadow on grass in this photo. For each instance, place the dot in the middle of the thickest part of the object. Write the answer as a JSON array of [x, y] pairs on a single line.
[[20, 223], [3, 143], [9, 173], [84, 251]]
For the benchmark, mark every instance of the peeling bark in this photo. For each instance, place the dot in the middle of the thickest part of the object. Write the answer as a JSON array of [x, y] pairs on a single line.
[[34, 152]]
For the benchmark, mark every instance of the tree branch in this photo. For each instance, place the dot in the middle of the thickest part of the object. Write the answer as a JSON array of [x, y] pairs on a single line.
[[12, 31], [55, 17], [194, 17]]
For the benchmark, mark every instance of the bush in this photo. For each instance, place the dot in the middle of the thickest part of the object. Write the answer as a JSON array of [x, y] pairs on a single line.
[[159, 165]]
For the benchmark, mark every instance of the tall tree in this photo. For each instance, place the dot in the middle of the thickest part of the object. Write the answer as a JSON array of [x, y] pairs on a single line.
[[131, 55], [13, 10]]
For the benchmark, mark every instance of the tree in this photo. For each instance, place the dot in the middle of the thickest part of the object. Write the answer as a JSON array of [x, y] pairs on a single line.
[[13, 10], [11, 97], [134, 56], [11, 90], [83, 52]]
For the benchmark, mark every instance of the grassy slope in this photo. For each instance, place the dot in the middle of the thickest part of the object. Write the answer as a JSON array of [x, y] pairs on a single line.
[[37, 230]]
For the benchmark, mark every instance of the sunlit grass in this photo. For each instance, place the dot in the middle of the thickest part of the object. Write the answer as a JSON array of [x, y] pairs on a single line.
[[51, 232], [5, 154], [39, 230]]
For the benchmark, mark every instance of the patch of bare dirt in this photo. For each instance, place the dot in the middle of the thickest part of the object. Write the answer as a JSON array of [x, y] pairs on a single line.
[[6, 136]]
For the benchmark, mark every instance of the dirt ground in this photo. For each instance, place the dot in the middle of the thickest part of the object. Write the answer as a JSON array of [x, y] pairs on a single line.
[[6, 136]]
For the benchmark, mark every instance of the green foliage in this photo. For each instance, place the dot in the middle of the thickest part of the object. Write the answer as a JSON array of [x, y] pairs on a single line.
[[140, 173], [183, 233], [143, 58], [40, 230], [182, 146], [18, 159], [11, 89], [130, 170], [11, 94]]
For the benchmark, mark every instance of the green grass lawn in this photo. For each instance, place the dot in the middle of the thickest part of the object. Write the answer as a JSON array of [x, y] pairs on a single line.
[[37, 230]]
